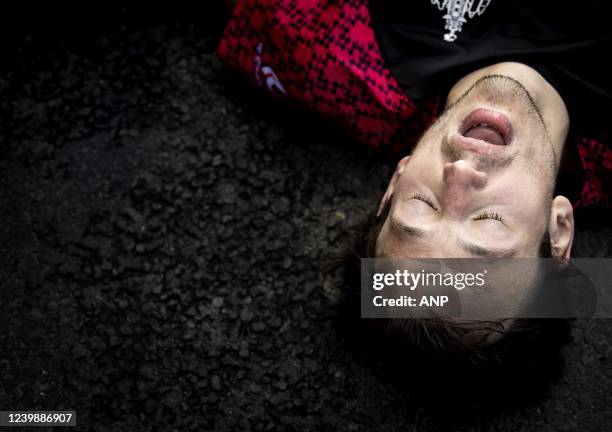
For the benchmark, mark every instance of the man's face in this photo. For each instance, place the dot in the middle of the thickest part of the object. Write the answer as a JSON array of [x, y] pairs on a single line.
[[479, 182]]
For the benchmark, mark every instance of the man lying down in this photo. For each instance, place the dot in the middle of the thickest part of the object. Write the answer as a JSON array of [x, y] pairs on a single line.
[[492, 108]]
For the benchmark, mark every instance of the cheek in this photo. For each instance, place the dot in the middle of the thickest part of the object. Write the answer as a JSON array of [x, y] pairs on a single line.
[[531, 221], [525, 192], [425, 171], [528, 206]]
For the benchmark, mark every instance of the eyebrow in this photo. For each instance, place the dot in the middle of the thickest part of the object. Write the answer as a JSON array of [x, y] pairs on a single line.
[[403, 230], [486, 252]]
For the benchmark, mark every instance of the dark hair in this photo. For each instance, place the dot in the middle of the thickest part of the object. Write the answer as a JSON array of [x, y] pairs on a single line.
[[526, 352]]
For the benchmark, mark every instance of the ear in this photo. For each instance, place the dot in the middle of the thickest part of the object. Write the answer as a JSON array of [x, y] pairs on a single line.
[[561, 227], [391, 187]]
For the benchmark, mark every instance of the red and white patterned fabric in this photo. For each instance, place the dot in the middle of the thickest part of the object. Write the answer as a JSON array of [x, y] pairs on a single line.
[[323, 55]]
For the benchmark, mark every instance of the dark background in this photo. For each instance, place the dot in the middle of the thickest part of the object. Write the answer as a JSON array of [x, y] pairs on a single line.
[[162, 226]]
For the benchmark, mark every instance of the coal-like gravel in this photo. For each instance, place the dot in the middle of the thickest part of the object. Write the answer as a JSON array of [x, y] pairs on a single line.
[[161, 231]]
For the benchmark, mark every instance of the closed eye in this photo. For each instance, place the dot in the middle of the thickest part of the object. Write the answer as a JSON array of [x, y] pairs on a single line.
[[490, 215], [422, 197]]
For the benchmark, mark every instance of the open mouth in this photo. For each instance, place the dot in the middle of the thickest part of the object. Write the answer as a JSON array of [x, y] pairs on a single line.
[[489, 126]]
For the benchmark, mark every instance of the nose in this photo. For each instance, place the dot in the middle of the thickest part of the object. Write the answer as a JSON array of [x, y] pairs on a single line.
[[460, 180]]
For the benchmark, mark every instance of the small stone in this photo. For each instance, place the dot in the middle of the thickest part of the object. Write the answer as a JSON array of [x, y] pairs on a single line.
[[217, 302], [125, 330], [215, 383], [246, 315], [258, 326]]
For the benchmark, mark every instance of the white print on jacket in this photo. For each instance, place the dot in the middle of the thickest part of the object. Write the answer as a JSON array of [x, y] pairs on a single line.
[[265, 74], [455, 12]]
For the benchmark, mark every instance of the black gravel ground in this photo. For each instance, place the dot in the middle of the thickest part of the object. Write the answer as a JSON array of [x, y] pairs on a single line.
[[161, 231]]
